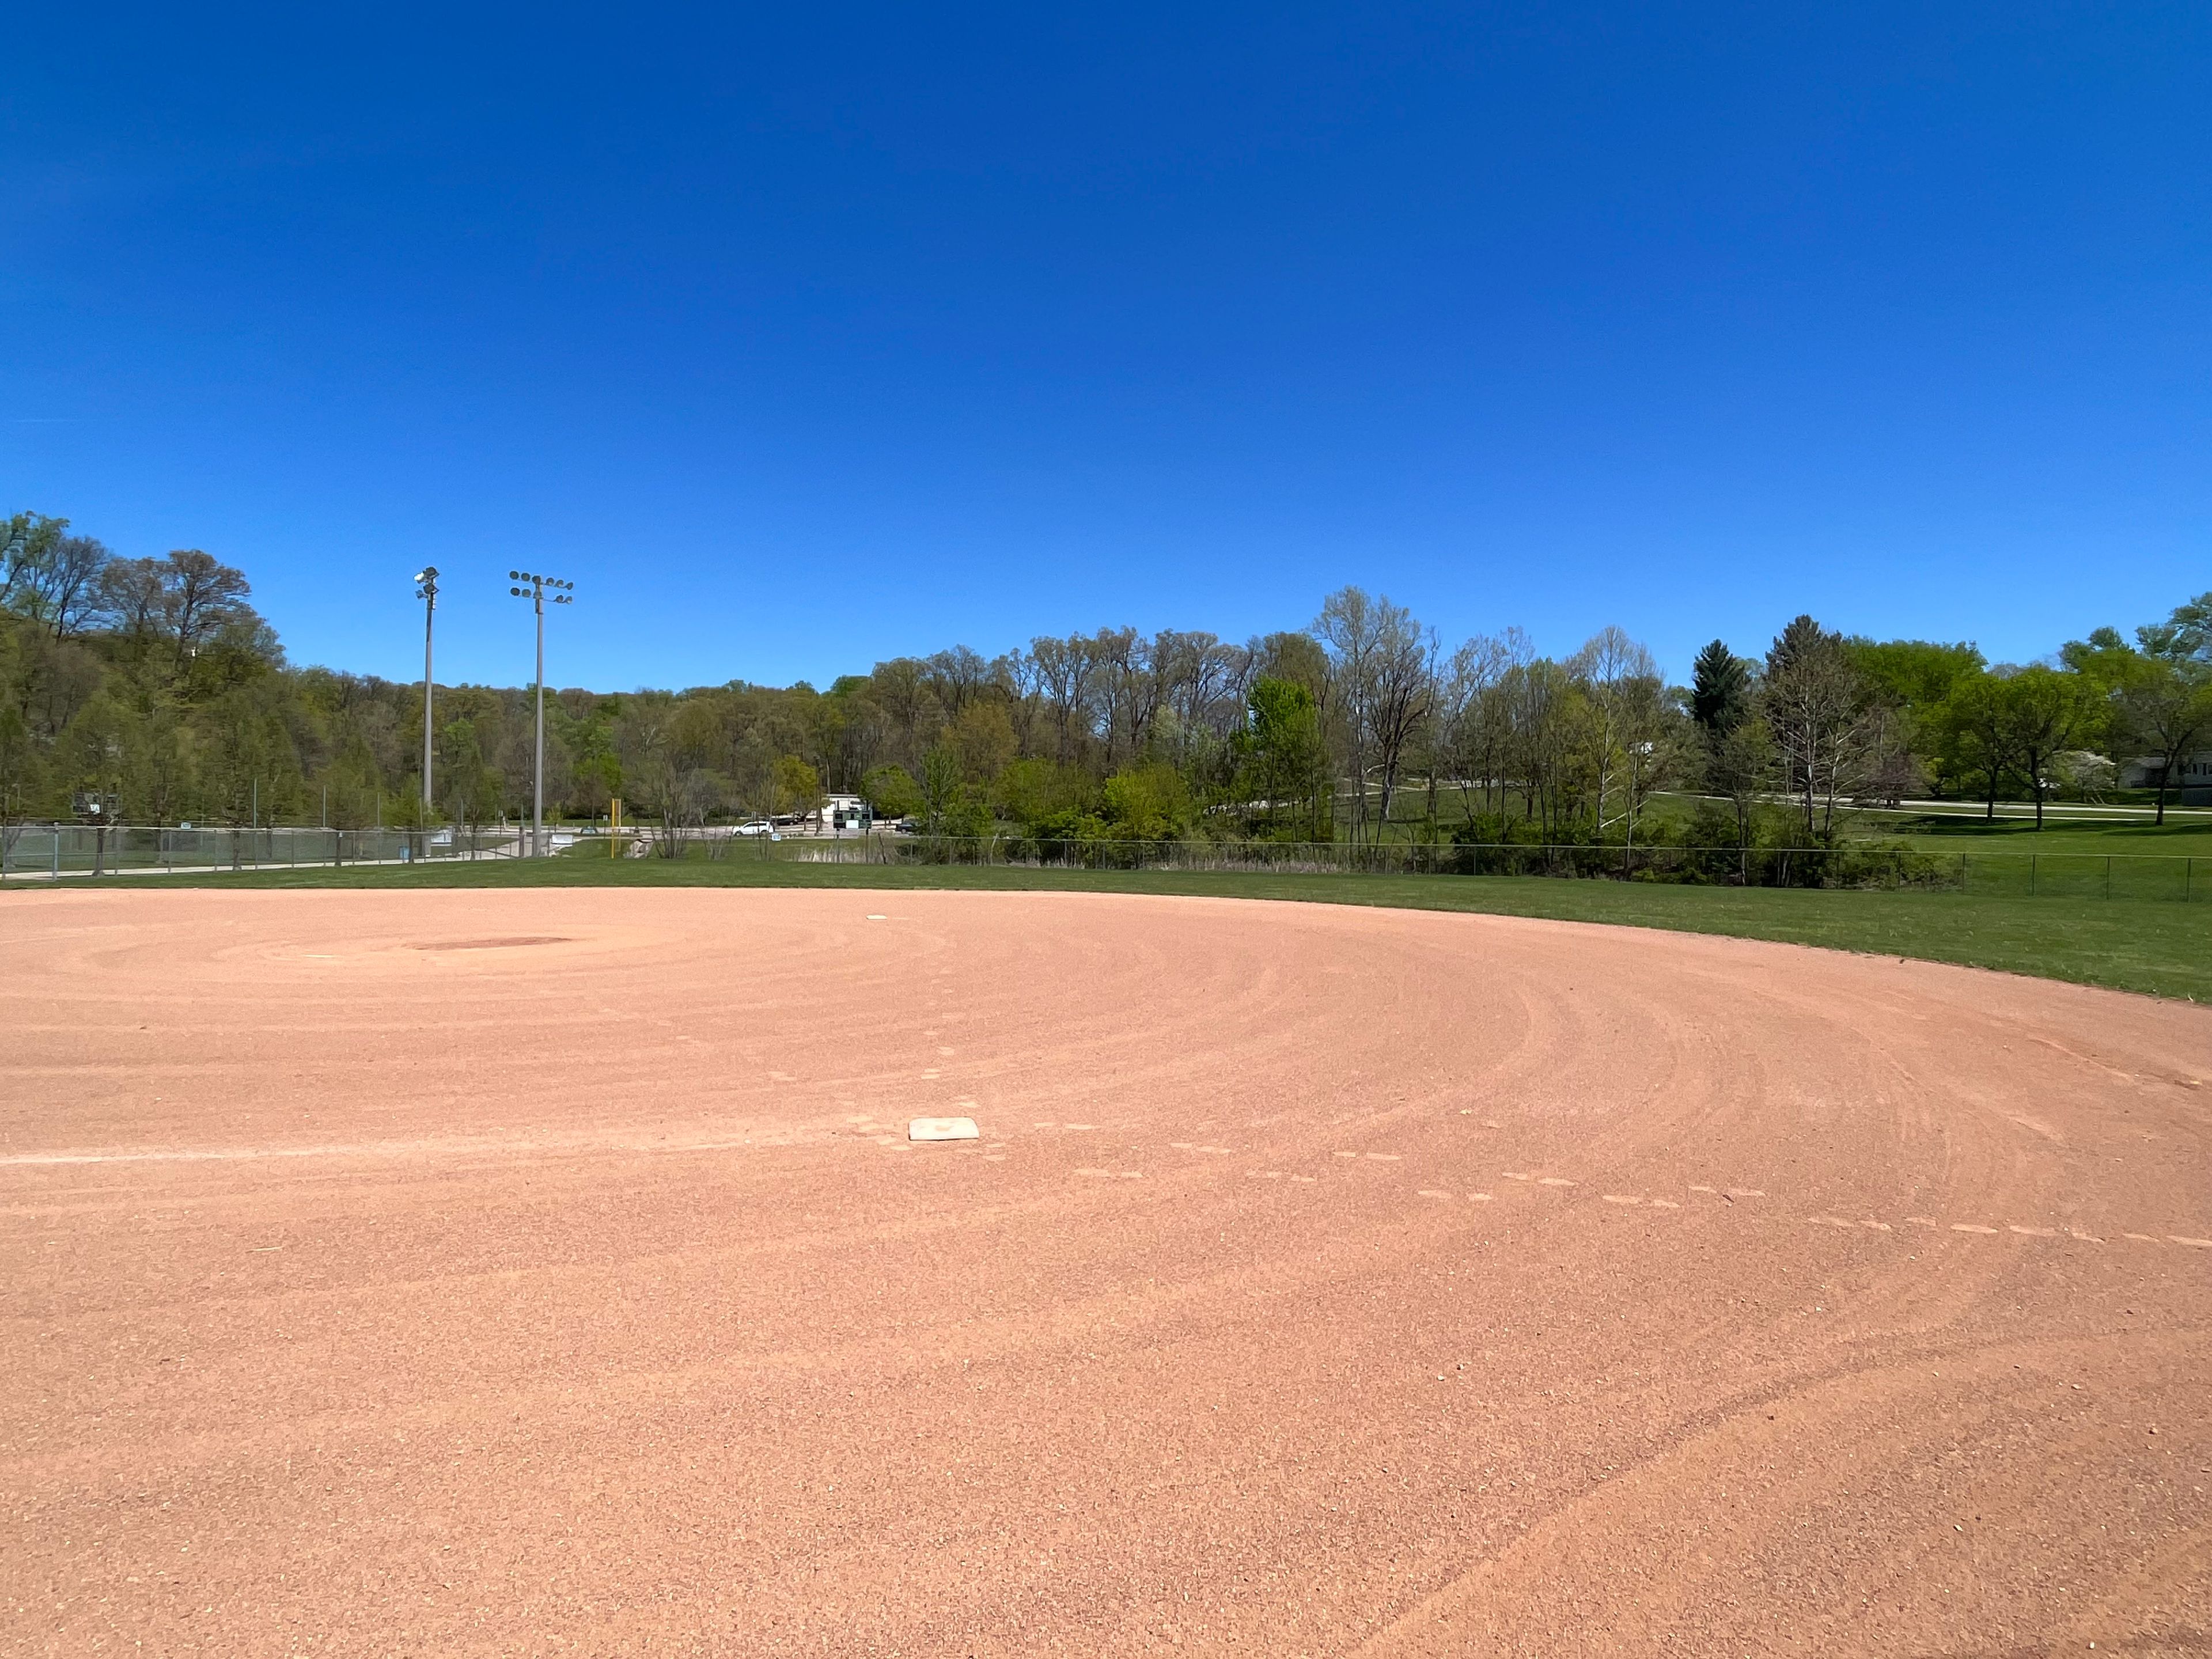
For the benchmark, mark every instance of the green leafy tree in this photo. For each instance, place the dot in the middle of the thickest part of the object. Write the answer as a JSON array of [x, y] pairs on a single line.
[[356, 786], [19, 764], [892, 791], [1913, 674], [252, 769], [1031, 791], [982, 737], [2165, 706], [2185, 637], [798, 785], [1974, 735], [941, 784], [469, 787], [1283, 758], [2045, 711], [2105, 659], [29, 543]]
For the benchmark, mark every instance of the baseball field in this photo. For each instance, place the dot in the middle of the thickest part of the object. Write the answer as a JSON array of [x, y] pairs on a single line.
[[549, 1271]]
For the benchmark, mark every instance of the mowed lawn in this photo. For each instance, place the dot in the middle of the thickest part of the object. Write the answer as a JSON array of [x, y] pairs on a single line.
[[2161, 947], [2189, 837]]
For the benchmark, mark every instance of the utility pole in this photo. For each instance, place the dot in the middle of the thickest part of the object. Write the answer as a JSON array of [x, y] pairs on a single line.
[[426, 589], [536, 594]]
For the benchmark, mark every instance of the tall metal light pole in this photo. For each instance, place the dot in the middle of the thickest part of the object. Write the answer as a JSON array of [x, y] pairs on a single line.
[[536, 594], [426, 589]]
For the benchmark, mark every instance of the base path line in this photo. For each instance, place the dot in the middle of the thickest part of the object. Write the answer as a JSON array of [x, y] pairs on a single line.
[[386, 1149]]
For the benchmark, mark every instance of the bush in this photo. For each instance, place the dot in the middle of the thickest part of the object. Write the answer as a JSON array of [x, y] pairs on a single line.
[[1060, 837], [1147, 803]]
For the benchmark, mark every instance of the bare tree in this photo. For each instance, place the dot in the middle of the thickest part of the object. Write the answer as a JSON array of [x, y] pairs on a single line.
[[1063, 669], [1154, 663], [901, 688], [666, 743], [1115, 675], [1347, 629], [1405, 695], [1813, 701], [60, 588], [29, 545], [133, 593], [1739, 764], [958, 677], [1622, 682], [1379, 662], [1015, 671], [1481, 723], [1538, 713], [201, 596]]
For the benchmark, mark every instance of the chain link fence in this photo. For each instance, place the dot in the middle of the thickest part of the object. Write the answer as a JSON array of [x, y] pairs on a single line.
[[1865, 865], [62, 850], [76, 849]]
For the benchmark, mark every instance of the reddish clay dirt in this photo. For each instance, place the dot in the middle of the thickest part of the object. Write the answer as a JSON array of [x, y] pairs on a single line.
[[547, 1272]]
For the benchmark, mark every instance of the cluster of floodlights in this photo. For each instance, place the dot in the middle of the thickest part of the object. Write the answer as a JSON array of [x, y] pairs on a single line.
[[539, 582]]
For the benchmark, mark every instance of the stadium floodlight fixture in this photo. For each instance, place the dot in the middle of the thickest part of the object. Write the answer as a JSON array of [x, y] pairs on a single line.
[[535, 592], [426, 589]]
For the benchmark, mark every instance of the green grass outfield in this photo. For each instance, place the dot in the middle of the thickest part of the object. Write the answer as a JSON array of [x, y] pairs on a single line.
[[2164, 949]]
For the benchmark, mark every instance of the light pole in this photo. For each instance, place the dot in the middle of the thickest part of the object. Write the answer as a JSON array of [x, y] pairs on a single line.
[[536, 594], [1639, 756], [426, 589]]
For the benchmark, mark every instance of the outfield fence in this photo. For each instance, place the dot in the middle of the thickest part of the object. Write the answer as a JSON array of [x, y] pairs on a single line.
[[65, 850], [2054, 875]]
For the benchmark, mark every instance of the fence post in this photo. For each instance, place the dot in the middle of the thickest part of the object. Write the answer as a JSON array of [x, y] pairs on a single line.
[[2031, 875], [1962, 871], [2108, 875]]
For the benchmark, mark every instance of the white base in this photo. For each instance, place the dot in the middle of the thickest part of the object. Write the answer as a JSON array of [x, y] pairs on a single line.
[[943, 1129]]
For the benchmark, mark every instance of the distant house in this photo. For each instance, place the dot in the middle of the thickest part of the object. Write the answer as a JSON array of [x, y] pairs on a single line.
[[2191, 780]]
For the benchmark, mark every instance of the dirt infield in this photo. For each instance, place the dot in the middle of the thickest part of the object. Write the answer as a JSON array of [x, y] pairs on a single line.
[[548, 1271]]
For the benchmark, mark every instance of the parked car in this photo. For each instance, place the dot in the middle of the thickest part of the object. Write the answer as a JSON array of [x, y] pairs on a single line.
[[754, 827]]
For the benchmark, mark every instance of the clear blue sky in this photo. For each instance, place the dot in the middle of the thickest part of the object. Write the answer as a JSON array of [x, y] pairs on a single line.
[[808, 336]]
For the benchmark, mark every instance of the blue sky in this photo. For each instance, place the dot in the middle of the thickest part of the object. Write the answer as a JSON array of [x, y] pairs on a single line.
[[803, 338]]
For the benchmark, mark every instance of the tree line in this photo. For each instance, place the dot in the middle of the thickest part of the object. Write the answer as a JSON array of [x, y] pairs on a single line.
[[152, 690]]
